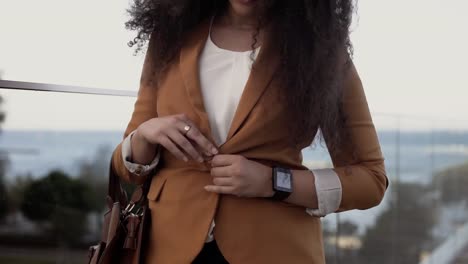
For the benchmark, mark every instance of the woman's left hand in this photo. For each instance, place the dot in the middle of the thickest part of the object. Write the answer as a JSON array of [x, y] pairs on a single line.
[[236, 175]]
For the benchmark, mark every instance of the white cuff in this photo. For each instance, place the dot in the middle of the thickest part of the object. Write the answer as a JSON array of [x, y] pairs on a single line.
[[134, 168], [329, 192]]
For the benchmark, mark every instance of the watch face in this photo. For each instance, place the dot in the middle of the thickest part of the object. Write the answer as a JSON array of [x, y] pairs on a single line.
[[283, 180]]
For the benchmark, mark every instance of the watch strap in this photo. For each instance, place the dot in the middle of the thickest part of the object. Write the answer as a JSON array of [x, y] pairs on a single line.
[[280, 195]]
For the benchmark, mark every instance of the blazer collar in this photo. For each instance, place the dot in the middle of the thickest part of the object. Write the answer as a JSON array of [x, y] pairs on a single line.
[[261, 75]]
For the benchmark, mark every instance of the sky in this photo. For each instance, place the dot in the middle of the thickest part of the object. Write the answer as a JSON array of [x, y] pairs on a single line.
[[411, 56]]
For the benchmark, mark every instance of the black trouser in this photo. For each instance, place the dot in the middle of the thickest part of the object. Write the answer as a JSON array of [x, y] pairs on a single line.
[[210, 254]]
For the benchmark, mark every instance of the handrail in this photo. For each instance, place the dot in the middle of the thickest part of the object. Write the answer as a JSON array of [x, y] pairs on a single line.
[[417, 117], [45, 87]]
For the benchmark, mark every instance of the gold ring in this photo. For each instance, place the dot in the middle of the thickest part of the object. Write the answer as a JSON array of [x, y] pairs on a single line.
[[187, 129]]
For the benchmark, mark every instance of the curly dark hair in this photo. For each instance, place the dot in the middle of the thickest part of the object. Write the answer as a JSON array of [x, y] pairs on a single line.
[[311, 37]]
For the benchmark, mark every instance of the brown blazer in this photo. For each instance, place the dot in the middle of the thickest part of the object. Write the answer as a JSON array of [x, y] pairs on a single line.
[[247, 230]]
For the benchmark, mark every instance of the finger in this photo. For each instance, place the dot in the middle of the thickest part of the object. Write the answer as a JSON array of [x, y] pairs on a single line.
[[225, 171], [223, 181], [195, 135], [184, 144], [207, 156], [223, 160], [220, 189], [172, 148]]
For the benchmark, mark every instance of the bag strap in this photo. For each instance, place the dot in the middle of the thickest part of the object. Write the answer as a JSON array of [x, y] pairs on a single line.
[[114, 189], [118, 194]]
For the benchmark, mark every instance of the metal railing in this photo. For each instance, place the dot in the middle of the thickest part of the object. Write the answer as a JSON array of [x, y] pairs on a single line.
[[45, 87]]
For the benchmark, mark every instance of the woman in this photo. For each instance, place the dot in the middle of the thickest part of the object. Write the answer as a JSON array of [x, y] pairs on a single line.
[[231, 92]]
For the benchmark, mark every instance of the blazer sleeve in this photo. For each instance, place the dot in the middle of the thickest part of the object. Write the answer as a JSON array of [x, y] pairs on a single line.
[[144, 109], [363, 177]]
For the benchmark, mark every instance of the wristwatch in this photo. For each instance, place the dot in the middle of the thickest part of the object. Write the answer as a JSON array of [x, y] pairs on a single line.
[[282, 183]]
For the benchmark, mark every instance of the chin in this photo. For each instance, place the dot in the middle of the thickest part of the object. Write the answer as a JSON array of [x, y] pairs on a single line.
[[244, 7]]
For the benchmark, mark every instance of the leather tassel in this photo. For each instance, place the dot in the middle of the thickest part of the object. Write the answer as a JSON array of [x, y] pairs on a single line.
[[113, 221], [133, 221]]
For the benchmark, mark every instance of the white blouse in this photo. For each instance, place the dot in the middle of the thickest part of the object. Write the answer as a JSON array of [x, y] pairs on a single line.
[[223, 76]]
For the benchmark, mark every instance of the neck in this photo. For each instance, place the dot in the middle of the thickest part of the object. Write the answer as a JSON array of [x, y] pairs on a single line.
[[235, 20]]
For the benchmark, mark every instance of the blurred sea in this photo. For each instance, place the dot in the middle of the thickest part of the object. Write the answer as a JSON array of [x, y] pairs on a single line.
[[420, 153], [37, 152]]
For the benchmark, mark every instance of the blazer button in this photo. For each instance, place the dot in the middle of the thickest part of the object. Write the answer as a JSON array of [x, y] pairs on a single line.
[[138, 170]]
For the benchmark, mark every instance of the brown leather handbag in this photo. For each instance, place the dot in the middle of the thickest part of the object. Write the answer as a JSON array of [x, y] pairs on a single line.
[[125, 225]]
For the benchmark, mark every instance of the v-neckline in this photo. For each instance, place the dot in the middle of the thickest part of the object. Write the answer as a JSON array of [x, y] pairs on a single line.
[[259, 77]]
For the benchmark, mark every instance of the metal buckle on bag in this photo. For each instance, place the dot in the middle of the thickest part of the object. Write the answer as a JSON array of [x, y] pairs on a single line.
[[139, 212], [128, 209]]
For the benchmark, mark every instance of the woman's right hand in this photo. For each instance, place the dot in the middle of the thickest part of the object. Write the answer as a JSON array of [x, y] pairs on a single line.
[[170, 133]]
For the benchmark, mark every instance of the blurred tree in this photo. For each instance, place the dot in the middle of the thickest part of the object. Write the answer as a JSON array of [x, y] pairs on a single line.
[[3, 189], [402, 232], [95, 173], [348, 251], [62, 202], [3, 166], [348, 228], [17, 189], [452, 183], [336, 252]]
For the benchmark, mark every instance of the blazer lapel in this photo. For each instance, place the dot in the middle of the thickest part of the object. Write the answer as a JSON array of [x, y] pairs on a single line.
[[259, 79], [262, 73], [189, 67]]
